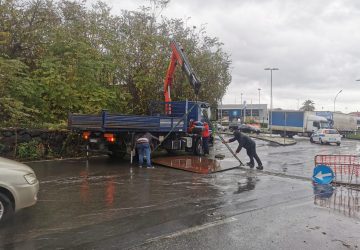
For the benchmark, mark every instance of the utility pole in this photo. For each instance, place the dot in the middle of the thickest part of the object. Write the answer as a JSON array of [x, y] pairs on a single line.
[[271, 98], [259, 94]]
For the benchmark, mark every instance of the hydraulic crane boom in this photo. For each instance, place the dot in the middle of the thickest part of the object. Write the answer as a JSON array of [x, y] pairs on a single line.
[[178, 57]]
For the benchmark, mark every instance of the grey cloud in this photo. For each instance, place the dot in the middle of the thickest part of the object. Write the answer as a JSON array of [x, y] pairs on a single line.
[[316, 45]]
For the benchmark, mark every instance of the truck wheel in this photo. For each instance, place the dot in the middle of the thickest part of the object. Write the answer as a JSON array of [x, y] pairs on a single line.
[[311, 140], [198, 149], [6, 208], [338, 143], [321, 141]]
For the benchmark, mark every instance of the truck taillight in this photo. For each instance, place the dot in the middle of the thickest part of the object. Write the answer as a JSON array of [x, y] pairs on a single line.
[[109, 137], [86, 135]]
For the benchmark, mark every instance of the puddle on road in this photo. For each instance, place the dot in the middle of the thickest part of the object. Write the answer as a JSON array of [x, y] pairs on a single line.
[[246, 185], [196, 164], [340, 199]]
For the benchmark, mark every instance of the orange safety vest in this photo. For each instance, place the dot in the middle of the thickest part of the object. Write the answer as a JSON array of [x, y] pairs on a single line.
[[206, 132], [191, 127]]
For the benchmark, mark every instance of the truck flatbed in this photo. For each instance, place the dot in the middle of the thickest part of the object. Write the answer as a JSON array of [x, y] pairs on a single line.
[[121, 123], [113, 122]]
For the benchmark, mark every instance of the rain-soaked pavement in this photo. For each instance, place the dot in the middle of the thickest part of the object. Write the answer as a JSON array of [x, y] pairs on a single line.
[[102, 204]]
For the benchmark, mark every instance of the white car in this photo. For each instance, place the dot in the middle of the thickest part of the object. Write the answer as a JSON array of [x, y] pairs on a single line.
[[18, 187], [326, 136]]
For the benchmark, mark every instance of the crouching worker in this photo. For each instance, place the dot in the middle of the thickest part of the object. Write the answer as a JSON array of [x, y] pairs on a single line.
[[250, 146], [143, 144]]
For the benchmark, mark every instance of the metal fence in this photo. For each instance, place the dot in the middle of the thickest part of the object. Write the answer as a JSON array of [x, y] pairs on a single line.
[[345, 167]]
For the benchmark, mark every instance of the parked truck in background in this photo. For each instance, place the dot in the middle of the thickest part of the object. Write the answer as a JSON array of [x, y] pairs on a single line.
[[343, 123], [295, 122]]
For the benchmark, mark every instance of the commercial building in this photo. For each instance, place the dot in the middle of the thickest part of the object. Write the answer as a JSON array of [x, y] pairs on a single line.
[[241, 112]]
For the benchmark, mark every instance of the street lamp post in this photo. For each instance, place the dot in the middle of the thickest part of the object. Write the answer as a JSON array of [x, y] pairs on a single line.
[[259, 94], [271, 98], [335, 98], [241, 107]]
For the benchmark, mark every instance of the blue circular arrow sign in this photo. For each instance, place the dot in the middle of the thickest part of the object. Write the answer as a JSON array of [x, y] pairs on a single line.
[[323, 174]]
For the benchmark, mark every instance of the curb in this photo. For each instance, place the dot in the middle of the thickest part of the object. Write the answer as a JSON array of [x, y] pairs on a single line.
[[265, 139]]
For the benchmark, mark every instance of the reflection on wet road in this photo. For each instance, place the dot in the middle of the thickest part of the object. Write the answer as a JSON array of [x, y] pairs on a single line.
[[339, 199], [101, 204], [196, 164]]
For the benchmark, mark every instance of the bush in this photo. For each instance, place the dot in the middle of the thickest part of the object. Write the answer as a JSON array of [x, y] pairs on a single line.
[[353, 136], [2, 147], [263, 125], [31, 150]]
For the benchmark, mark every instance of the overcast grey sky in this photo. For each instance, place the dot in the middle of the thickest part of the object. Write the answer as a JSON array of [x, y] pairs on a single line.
[[315, 44]]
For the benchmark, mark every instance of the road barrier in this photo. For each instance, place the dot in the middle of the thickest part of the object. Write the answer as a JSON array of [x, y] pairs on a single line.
[[345, 167]]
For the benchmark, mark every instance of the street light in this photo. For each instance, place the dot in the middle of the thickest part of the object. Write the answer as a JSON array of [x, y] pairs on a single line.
[[271, 99], [259, 94], [241, 94], [335, 98]]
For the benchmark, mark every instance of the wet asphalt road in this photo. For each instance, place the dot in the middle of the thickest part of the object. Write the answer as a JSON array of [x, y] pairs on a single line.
[[102, 204]]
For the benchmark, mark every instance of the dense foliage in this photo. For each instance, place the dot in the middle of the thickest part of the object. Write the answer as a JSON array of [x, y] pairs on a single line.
[[62, 56], [308, 105]]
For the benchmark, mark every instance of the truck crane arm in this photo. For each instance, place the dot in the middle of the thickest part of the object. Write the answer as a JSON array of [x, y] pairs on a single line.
[[178, 57]]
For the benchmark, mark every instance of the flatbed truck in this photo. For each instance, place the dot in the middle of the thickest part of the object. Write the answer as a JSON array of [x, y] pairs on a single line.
[[114, 133]]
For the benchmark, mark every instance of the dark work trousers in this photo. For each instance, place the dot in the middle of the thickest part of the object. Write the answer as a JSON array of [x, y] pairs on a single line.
[[205, 141], [251, 152]]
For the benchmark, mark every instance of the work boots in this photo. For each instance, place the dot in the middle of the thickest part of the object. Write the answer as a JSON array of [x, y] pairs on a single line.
[[249, 164], [260, 167]]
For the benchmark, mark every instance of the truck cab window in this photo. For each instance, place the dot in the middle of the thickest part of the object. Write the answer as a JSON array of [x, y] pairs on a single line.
[[316, 124]]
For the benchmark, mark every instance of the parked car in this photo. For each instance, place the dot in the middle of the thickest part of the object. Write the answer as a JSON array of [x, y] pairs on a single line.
[[326, 136], [18, 187], [220, 127], [249, 129], [234, 125]]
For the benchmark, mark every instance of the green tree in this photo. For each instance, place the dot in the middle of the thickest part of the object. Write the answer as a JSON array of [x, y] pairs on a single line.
[[308, 105], [62, 56]]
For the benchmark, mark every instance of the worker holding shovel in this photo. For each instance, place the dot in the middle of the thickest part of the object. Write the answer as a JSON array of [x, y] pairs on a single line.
[[250, 146]]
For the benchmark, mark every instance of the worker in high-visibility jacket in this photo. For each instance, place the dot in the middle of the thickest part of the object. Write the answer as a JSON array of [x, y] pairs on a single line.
[[195, 127], [205, 138]]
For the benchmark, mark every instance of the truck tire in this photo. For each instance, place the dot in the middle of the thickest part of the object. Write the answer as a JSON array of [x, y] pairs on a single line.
[[198, 149], [311, 140], [6, 208], [321, 141], [338, 143]]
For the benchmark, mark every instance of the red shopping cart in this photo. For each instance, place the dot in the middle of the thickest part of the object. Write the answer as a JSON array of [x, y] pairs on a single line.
[[345, 167]]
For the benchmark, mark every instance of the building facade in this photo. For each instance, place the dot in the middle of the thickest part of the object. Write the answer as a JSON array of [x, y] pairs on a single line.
[[241, 112]]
